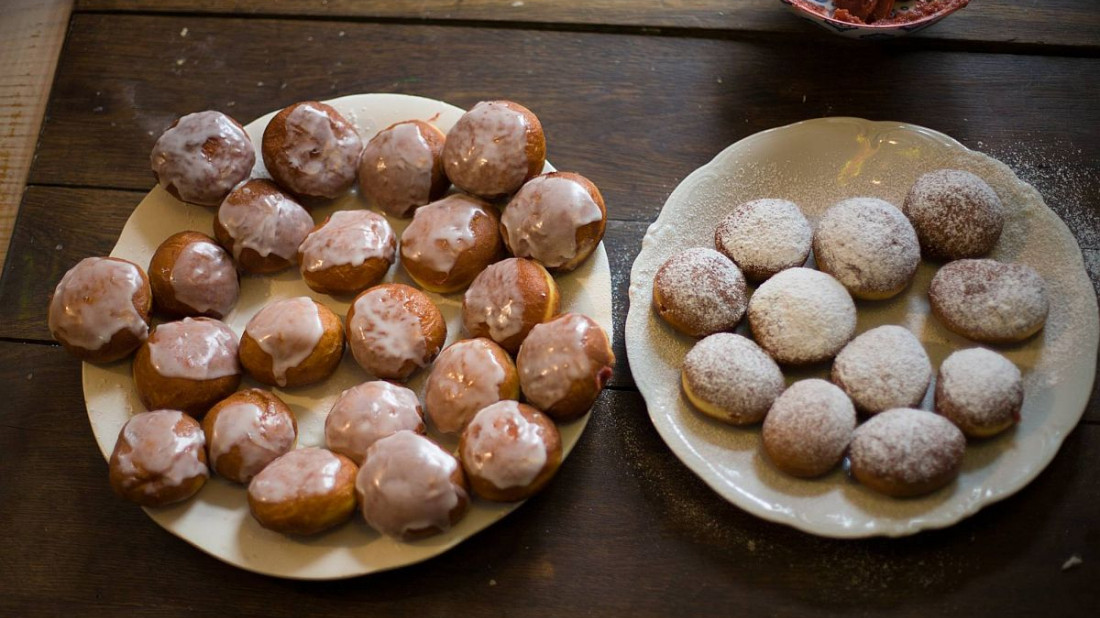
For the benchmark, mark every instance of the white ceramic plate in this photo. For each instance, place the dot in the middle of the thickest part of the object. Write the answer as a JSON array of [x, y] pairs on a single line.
[[217, 520], [815, 164]]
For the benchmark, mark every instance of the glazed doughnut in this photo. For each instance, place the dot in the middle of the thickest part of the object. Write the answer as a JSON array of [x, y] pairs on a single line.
[[808, 428], [158, 458], [494, 148], [364, 414], [955, 214], [246, 431], [201, 157], [980, 391], [905, 452], [401, 167], [261, 226], [187, 366], [449, 242], [764, 237], [100, 309], [802, 316], [989, 301], [409, 488], [311, 150], [508, 299], [509, 451], [304, 492], [700, 292], [468, 375], [292, 342], [347, 253], [885, 367], [868, 246], [557, 219], [394, 329], [564, 364], [730, 378], [191, 275]]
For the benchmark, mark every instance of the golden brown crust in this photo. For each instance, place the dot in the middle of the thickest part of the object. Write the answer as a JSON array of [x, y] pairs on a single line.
[[583, 391], [304, 516], [122, 481], [536, 140], [250, 260], [345, 279], [487, 248], [432, 327], [194, 397], [123, 343], [489, 491], [541, 302], [589, 235], [160, 275], [320, 364], [229, 465]]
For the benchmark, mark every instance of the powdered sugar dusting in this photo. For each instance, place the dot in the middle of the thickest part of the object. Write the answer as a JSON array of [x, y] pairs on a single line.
[[956, 214], [701, 290], [989, 300], [983, 388], [907, 446], [764, 237], [802, 316], [732, 374], [809, 427], [885, 367], [868, 245]]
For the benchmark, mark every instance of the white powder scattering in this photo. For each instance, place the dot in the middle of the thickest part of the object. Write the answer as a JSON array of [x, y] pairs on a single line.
[[180, 61], [1073, 562], [989, 300], [492, 582], [259, 84], [735, 376], [59, 247], [517, 4], [341, 33], [30, 376], [183, 32]]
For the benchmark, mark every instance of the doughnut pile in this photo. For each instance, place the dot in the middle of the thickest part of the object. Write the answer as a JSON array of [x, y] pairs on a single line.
[[497, 237], [865, 250]]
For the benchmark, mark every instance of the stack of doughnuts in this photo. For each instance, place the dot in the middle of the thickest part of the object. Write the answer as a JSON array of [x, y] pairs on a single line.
[[866, 250], [498, 238]]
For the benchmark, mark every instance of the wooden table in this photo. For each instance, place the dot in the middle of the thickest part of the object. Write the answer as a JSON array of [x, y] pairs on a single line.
[[635, 94]]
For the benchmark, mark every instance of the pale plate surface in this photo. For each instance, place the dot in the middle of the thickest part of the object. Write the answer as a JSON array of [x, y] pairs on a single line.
[[815, 164], [217, 519]]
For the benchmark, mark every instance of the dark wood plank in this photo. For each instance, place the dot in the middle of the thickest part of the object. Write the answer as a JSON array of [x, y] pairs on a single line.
[[634, 113], [1054, 22], [624, 528]]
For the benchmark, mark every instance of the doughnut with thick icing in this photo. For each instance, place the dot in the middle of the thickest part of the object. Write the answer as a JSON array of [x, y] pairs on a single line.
[[730, 378], [261, 226], [700, 292], [449, 242], [885, 367], [188, 365], [100, 309], [401, 167], [980, 391], [347, 253], [494, 148], [508, 299], [868, 245], [159, 458], [557, 219], [802, 316], [563, 365], [955, 213], [467, 376], [191, 275], [304, 492], [989, 301], [905, 452], [808, 428], [312, 151], [368, 412], [394, 329], [509, 451], [292, 342], [764, 236], [202, 156], [246, 431]]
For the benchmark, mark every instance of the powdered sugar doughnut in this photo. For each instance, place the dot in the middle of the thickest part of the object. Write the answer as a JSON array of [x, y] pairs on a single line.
[[261, 226], [905, 452], [364, 414], [246, 431], [159, 458], [557, 219], [410, 488], [401, 167], [311, 150], [764, 237], [955, 214], [202, 156], [508, 299], [509, 451], [730, 378], [303, 492], [868, 245], [885, 367], [348, 252], [700, 292], [802, 316], [808, 428], [394, 329], [494, 148], [980, 391], [467, 376], [989, 301]]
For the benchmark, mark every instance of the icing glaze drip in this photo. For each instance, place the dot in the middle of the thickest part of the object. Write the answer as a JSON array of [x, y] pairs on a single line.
[[266, 223], [205, 279], [503, 447], [350, 237], [366, 413], [439, 232], [466, 377], [496, 299], [94, 300], [288, 331], [258, 434], [486, 150], [194, 349], [299, 473], [554, 358], [387, 329], [325, 151], [201, 174], [543, 218], [166, 458], [395, 169]]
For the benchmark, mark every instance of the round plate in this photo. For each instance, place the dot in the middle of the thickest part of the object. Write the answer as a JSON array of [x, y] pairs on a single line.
[[815, 164], [820, 12], [217, 520]]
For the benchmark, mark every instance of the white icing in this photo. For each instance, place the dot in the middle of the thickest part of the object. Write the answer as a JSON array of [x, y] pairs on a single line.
[[266, 222], [157, 449], [350, 237], [259, 435], [179, 159], [552, 358], [366, 413], [94, 300], [204, 278], [297, 474], [503, 447], [495, 299], [405, 485], [486, 150], [384, 329], [395, 169], [542, 219], [194, 349], [440, 232], [288, 331], [465, 378], [324, 151]]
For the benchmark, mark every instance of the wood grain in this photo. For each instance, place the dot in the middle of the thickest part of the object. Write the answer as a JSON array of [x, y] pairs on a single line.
[[1070, 23], [623, 528], [30, 41]]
